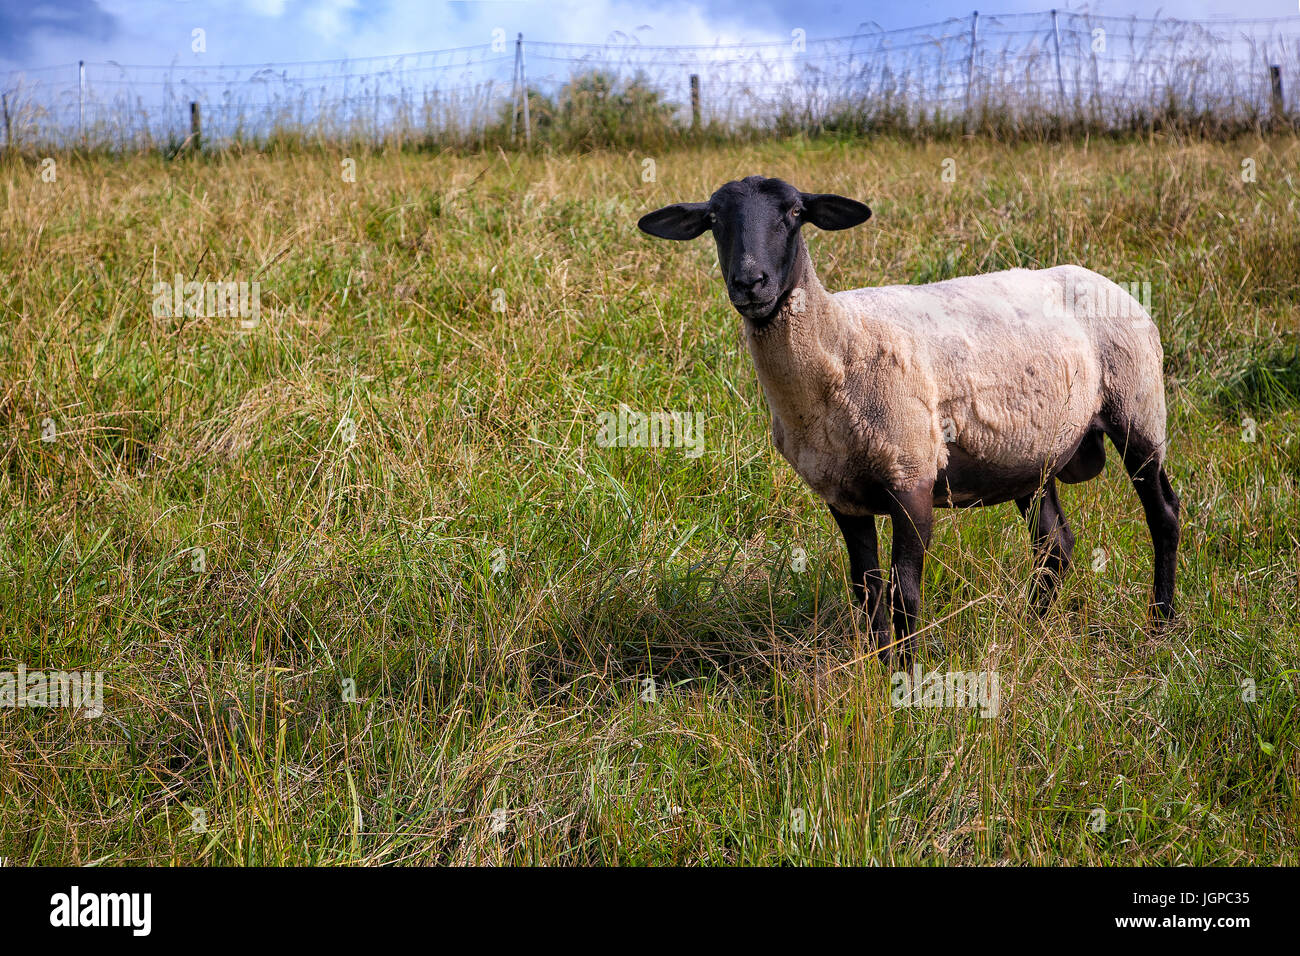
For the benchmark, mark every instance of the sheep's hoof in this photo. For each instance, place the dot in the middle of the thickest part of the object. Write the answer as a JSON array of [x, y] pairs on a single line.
[[1162, 615], [1039, 606], [883, 646], [900, 653], [1042, 595]]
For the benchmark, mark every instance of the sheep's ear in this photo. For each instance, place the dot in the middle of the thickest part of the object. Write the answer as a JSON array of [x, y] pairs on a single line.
[[828, 211], [683, 220]]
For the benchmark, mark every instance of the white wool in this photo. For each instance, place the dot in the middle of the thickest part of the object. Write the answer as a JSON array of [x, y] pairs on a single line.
[[862, 384]]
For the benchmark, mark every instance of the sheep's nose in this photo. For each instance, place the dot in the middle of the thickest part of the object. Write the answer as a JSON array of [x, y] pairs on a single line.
[[749, 282]]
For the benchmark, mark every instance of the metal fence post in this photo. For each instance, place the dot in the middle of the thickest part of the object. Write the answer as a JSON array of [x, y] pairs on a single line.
[[1060, 79], [1096, 80], [514, 89], [523, 86], [970, 67]]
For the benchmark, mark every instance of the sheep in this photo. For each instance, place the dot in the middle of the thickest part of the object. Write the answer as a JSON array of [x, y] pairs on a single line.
[[895, 400]]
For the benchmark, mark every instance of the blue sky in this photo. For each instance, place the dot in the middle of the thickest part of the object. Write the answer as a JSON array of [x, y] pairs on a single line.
[[36, 33]]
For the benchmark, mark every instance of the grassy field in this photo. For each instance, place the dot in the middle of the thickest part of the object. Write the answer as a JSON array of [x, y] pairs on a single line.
[[365, 587]]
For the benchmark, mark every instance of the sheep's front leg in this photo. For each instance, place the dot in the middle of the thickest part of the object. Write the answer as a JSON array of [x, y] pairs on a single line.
[[911, 515], [865, 576]]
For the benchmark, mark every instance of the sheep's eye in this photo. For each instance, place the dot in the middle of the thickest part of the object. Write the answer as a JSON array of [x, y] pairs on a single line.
[[794, 212], [713, 218]]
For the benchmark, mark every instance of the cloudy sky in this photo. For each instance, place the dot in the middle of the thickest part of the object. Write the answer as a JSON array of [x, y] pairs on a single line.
[[35, 33]]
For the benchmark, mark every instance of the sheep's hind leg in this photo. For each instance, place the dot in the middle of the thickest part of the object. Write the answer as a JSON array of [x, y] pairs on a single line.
[[1161, 507], [865, 576], [1053, 543], [912, 515]]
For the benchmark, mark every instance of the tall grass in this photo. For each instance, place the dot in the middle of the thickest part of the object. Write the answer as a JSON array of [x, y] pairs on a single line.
[[396, 482]]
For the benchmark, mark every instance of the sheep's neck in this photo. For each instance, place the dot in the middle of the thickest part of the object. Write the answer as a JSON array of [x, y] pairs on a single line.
[[793, 352]]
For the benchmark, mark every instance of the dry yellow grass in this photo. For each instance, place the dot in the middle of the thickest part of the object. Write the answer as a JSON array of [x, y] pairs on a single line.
[[396, 485]]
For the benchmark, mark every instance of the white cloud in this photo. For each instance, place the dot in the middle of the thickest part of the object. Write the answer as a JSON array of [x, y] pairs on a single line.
[[267, 8], [329, 19], [250, 31]]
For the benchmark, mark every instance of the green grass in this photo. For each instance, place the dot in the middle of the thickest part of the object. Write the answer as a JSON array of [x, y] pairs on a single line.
[[499, 586]]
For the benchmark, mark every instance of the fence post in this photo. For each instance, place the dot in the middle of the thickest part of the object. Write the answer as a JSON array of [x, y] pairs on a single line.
[[514, 90], [523, 87], [1096, 81], [695, 101], [1275, 77], [1060, 79], [970, 67], [196, 126], [9, 130], [81, 100]]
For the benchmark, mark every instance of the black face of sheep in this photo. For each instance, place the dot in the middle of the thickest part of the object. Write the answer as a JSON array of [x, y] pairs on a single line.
[[756, 223]]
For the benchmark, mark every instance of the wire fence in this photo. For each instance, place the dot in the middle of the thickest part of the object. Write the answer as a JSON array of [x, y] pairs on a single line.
[[1076, 69]]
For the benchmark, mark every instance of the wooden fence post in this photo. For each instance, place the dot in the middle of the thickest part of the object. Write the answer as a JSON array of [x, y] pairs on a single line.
[[1275, 78], [81, 100], [9, 130], [695, 101], [196, 126]]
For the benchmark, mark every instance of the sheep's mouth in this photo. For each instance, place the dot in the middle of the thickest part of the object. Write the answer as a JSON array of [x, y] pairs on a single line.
[[757, 311]]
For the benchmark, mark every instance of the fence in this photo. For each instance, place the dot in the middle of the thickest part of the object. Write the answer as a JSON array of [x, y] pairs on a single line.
[[1053, 67]]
